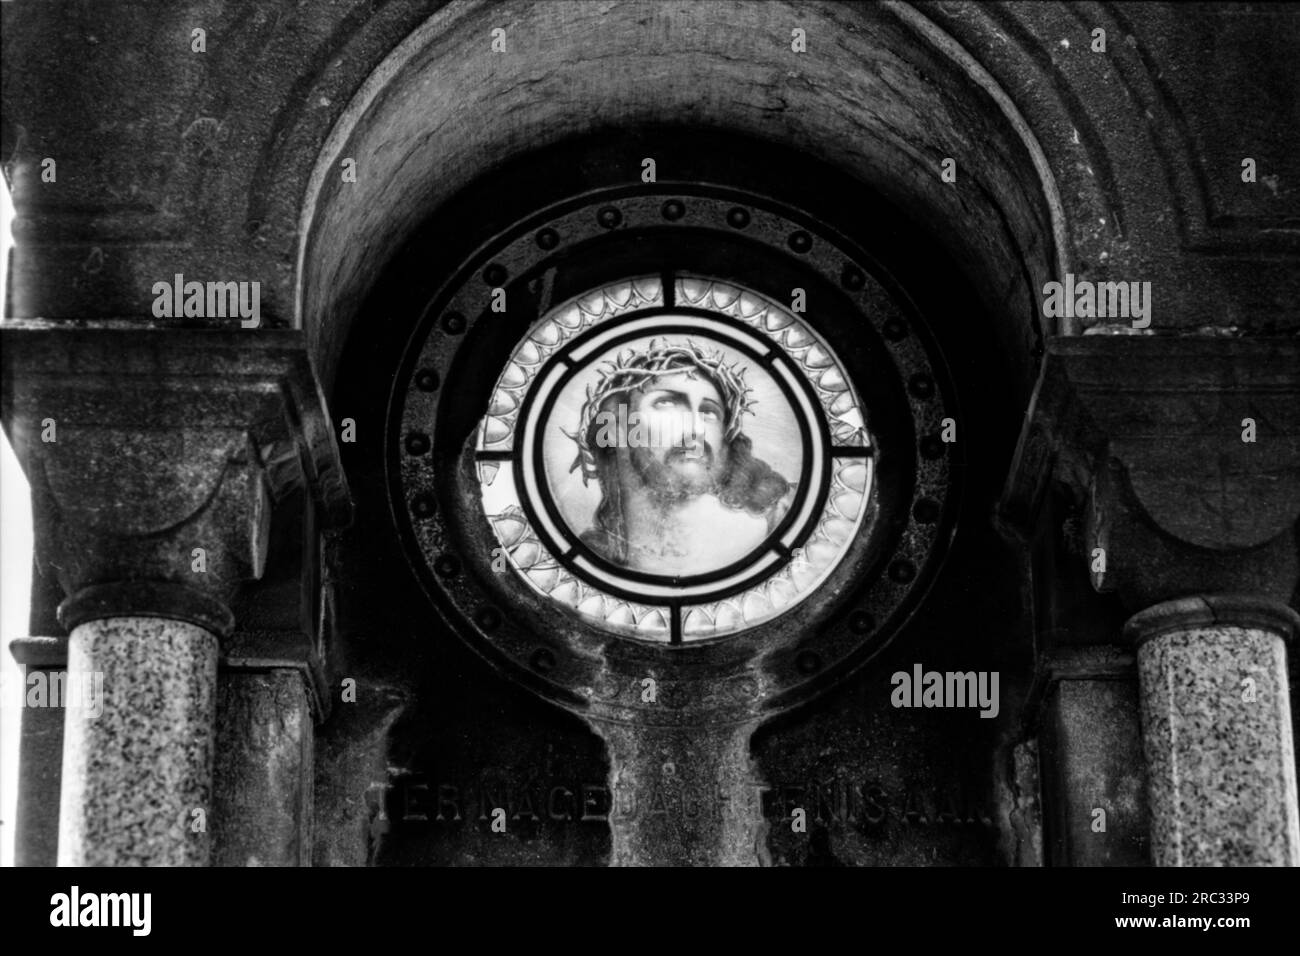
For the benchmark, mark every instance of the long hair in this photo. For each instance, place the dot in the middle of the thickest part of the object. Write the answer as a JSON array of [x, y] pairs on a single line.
[[750, 483]]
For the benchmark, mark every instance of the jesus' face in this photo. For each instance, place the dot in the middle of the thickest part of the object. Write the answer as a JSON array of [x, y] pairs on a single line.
[[684, 413], [681, 492]]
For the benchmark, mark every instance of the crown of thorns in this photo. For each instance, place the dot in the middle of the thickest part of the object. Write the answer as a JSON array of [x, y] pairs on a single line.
[[631, 369]]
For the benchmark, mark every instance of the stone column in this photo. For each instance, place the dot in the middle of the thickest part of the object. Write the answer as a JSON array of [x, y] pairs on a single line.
[[152, 531], [139, 730], [1216, 730], [137, 778], [155, 461], [1180, 462]]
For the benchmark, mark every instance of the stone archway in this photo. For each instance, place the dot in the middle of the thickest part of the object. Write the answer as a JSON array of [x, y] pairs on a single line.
[[416, 166], [886, 98], [1135, 490]]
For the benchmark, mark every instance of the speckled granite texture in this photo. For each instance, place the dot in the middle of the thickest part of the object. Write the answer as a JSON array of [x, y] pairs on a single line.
[[133, 776], [1216, 727]]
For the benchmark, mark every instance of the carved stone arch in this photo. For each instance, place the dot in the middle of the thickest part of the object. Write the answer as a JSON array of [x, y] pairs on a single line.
[[440, 123], [884, 95]]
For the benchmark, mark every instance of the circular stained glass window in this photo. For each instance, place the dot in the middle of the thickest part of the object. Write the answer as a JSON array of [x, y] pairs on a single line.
[[674, 464]]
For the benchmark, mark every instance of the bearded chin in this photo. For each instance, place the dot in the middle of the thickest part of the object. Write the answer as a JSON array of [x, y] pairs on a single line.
[[667, 485]]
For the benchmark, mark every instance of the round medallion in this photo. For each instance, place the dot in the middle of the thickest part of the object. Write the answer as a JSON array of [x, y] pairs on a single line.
[[632, 440], [674, 468]]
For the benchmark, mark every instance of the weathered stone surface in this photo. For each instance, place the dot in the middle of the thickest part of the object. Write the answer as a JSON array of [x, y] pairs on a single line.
[[263, 780], [1146, 146], [880, 98], [134, 776], [264, 757], [684, 797], [164, 444], [226, 164], [1025, 807], [234, 146], [1145, 437], [1147, 434], [152, 430], [1216, 729], [1091, 744]]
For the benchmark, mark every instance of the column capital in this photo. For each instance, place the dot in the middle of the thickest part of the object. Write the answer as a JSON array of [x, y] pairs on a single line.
[[1145, 436], [1213, 610], [143, 446]]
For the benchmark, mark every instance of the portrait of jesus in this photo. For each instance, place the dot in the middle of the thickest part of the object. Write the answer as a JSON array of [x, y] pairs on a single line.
[[681, 490]]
